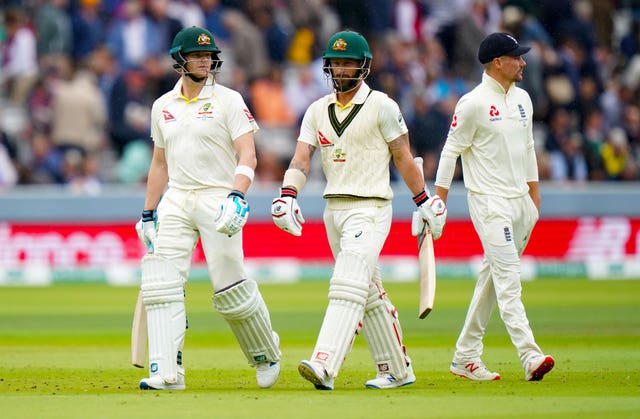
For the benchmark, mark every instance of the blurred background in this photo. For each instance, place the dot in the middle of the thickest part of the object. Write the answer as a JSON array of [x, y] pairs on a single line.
[[78, 78]]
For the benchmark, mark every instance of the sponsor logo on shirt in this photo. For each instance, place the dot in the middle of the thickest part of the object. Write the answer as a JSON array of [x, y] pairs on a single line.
[[167, 116], [494, 114], [323, 140], [454, 122], [249, 116]]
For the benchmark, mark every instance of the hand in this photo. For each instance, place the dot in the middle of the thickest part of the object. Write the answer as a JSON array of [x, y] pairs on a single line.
[[432, 214], [234, 212], [146, 229], [286, 214]]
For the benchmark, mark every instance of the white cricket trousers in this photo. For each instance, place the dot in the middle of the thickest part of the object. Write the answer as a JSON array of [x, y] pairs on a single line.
[[184, 217], [504, 227]]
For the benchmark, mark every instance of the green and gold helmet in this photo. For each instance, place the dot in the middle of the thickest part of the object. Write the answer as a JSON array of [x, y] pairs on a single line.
[[347, 45], [194, 39]]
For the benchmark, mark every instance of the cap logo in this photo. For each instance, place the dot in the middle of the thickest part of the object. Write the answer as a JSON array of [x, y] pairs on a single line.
[[203, 39], [339, 45], [512, 38]]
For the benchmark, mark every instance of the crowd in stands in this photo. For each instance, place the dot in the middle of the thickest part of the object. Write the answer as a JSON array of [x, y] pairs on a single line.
[[78, 77]]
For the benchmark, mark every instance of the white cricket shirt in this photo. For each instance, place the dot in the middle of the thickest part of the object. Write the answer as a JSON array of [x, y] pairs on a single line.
[[353, 142], [492, 132], [198, 135]]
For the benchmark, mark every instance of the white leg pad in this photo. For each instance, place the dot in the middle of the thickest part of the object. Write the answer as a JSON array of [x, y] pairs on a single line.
[[347, 297], [163, 296], [245, 311], [381, 330]]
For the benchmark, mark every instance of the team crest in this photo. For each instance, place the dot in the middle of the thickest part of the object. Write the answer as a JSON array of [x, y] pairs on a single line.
[[203, 39], [339, 45], [339, 156], [205, 109]]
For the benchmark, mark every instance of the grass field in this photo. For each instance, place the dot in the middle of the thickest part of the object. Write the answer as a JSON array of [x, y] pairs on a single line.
[[65, 354]]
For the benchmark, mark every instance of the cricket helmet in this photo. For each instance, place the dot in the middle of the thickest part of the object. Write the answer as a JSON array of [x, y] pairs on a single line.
[[194, 39], [347, 45]]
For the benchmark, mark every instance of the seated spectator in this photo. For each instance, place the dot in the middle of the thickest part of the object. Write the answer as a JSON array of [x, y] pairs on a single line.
[[19, 70], [616, 157], [568, 163]]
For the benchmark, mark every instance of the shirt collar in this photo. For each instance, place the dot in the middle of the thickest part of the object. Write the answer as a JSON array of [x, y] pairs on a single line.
[[494, 85], [359, 98], [206, 92]]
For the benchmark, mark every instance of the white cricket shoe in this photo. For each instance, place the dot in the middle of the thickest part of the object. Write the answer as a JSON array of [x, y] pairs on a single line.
[[155, 382], [316, 374], [476, 371], [538, 366], [267, 373], [389, 381]]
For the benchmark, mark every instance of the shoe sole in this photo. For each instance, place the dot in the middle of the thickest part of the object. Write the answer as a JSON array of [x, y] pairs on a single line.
[[545, 367], [309, 374], [464, 375], [389, 387], [145, 386]]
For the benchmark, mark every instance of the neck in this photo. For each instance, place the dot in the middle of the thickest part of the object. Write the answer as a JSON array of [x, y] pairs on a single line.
[[346, 97], [502, 81], [190, 88]]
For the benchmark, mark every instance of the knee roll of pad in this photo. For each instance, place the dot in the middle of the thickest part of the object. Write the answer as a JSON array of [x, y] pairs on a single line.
[[351, 277], [246, 313]]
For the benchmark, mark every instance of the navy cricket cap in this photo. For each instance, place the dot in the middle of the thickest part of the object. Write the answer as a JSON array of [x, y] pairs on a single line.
[[498, 44]]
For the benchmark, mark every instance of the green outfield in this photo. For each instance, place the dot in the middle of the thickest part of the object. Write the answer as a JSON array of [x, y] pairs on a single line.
[[65, 353]]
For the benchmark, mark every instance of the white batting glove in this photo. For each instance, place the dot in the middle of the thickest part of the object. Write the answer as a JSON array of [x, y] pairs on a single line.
[[234, 212], [433, 214], [286, 213], [146, 229]]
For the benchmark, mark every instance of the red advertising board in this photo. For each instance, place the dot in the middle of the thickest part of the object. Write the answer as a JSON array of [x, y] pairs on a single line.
[[76, 245]]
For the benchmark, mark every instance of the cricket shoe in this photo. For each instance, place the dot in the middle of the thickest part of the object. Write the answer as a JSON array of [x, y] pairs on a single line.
[[156, 382], [267, 373], [538, 366], [473, 371], [389, 381], [316, 374]]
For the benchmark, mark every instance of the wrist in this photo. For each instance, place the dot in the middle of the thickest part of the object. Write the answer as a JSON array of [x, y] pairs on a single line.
[[420, 198], [288, 192], [235, 192], [147, 215]]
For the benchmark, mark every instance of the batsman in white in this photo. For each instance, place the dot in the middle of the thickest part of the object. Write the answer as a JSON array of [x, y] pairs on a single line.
[[204, 151], [358, 131], [492, 133]]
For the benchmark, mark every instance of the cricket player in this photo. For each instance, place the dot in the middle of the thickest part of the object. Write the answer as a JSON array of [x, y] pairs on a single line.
[[204, 151], [492, 133], [358, 131]]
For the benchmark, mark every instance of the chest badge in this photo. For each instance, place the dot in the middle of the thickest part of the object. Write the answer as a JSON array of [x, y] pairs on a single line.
[[339, 156]]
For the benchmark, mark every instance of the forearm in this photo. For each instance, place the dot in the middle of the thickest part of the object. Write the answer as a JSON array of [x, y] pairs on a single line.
[[156, 182], [534, 192]]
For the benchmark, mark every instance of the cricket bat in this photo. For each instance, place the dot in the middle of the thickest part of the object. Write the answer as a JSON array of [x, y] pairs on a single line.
[[139, 335], [426, 263]]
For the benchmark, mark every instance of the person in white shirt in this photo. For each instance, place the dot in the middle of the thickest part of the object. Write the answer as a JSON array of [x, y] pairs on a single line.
[[492, 133], [358, 131], [204, 151]]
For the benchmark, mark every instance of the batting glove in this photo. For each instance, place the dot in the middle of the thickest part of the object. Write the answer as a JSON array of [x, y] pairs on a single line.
[[146, 229], [234, 212], [286, 213], [431, 214]]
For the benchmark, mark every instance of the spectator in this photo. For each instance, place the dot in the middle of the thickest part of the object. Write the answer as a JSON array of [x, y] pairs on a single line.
[[131, 36], [19, 57], [53, 29], [87, 28], [616, 157]]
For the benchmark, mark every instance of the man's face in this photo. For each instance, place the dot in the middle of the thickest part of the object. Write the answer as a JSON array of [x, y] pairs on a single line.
[[198, 63], [344, 70], [512, 67]]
